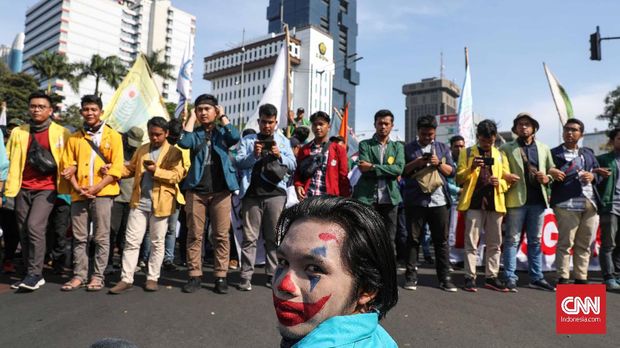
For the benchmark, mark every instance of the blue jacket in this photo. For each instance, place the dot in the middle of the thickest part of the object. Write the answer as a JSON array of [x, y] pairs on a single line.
[[4, 160], [357, 330], [245, 159], [223, 139], [571, 186], [413, 195]]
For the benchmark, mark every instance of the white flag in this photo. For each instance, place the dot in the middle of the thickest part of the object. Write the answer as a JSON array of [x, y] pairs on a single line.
[[466, 111], [3, 114], [560, 98], [184, 79], [275, 93]]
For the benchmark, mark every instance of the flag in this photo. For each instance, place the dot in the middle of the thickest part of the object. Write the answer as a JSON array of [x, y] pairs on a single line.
[[3, 114], [276, 91], [135, 101], [466, 110], [560, 97], [184, 79], [344, 125]]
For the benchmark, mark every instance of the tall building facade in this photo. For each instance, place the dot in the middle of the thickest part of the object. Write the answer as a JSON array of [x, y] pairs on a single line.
[[82, 28], [339, 18], [431, 96], [239, 76]]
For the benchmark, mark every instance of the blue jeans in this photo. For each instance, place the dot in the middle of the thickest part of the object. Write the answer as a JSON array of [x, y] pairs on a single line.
[[171, 235], [532, 216]]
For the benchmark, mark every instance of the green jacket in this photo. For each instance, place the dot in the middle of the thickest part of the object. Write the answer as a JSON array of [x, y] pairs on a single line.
[[607, 187], [516, 196], [391, 167]]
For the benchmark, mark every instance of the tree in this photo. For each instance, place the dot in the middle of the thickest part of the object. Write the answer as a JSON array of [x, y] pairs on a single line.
[[53, 65], [71, 117], [611, 112], [14, 90], [111, 69], [159, 67]]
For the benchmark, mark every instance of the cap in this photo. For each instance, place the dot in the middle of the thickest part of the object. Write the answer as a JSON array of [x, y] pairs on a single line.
[[525, 115], [134, 136], [15, 122], [301, 110]]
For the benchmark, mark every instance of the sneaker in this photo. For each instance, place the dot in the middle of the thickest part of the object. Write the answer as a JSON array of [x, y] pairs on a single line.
[[233, 265], [221, 286], [169, 266], [245, 285], [511, 285], [192, 285], [142, 264], [581, 282], [470, 285], [495, 284], [410, 284], [448, 286], [429, 259], [563, 281], [542, 285], [16, 285], [120, 287], [612, 284], [151, 285], [8, 267], [32, 282], [268, 283]]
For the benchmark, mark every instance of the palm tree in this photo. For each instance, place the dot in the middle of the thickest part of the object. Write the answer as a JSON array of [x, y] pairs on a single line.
[[53, 65], [111, 69], [159, 67]]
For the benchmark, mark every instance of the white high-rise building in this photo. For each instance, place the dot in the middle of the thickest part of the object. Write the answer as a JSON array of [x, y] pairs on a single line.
[[239, 80], [82, 28]]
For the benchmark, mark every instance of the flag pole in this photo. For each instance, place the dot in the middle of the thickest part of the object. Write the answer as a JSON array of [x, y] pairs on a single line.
[[288, 69]]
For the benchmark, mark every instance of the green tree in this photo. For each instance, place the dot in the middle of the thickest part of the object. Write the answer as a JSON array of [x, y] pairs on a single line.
[[53, 65], [109, 69], [159, 67], [611, 112], [14, 90], [71, 117]]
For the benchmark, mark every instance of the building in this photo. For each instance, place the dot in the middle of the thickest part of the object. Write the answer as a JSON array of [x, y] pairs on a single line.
[[238, 80], [339, 18], [5, 54], [431, 96], [82, 28], [598, 141]]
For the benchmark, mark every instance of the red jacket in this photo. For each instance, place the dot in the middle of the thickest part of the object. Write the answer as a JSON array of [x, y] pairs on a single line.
[[336, 179]]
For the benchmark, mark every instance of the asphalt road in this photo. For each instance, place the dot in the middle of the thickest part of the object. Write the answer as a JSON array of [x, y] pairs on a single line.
[[427, 317]]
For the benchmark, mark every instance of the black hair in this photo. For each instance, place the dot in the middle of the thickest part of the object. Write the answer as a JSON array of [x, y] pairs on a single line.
[[302, 133], [91, 99], [577, 122], [427, 121], [158, 121], [384, 113], [205, 99], [612, 133], [248, 131], [456, 138], [336, 139], [367, 252], [40, 94], [175, 128], [268, 110], [486, 128], [320, 114]]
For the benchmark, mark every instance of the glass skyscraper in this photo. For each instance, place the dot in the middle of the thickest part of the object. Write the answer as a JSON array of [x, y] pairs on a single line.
[[339, 18]]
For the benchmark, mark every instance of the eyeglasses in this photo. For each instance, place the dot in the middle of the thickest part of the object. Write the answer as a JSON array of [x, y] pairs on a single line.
[[571, 130], [37, 107]]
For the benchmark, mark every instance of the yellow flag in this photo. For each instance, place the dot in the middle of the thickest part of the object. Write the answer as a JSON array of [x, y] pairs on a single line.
[[135, 101]]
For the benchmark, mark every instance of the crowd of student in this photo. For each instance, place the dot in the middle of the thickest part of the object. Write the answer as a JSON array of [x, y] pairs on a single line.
[[101, 188]]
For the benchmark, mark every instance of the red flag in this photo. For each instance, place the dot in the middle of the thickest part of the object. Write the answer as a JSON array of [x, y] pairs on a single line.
[[344, 124]]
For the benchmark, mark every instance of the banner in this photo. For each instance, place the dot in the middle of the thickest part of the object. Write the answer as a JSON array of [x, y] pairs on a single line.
[[560, 97], [184, 79], [135, 101], [466, 109]]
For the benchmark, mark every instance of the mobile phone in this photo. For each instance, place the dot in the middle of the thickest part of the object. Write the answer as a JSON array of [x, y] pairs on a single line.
[[427, 155], [488, 161], [148, 162]]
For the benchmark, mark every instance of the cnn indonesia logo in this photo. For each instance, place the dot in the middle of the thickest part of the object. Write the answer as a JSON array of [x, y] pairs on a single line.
[[580, 309]]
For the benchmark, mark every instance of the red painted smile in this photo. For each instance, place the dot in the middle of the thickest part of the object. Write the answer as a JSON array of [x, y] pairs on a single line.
[[294, 313]]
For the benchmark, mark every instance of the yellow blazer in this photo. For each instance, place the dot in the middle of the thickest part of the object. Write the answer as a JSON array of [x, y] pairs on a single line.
[[467, 178], [78, 152], [170, 171], [17, 151]]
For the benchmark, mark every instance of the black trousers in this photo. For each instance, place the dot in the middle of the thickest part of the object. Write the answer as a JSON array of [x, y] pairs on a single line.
[[8, 223], [58, 224], [438, 219], [389, 214], [118, 226]]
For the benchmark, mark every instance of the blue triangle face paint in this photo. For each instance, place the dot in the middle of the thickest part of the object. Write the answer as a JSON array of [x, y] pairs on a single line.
[[320, 251], [314, 280]]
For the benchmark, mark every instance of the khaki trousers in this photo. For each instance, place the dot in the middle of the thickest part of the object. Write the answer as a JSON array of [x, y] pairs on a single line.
[[575, 230], [491, 223], [136, 228], [217, 206]]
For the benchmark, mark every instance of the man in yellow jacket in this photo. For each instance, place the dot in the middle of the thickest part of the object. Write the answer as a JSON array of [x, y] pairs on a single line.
[[93, 161], [157, 168], [35, 150], [480, 171]]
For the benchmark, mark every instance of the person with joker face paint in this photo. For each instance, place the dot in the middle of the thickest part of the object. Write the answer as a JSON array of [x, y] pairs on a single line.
[[336, 275]]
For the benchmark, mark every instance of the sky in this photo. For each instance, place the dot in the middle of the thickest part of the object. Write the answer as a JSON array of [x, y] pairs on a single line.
[[401, 42]]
